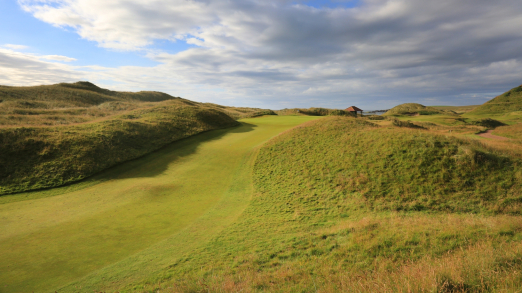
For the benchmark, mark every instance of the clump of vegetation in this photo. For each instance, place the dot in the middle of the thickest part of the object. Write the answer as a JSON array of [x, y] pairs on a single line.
[[488, 123], [375, 117], [509, 101], [408, 124], [340, 113], [415, 109]]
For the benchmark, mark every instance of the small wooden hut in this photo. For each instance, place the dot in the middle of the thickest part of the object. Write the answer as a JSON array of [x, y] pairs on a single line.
[[354, 110]]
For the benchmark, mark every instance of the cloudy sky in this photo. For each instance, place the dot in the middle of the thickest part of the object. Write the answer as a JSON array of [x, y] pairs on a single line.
[[274, 54]]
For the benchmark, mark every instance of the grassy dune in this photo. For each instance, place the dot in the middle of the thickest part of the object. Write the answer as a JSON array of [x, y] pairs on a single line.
[[416, 109], [68, 103], [120, 226], [413, 212], [42, 157], [57, 134], [80, 102], [510, 101]]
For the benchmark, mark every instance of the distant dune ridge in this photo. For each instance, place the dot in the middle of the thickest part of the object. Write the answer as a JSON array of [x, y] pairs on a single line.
[[415, 109], [52, 135], [509, 101]]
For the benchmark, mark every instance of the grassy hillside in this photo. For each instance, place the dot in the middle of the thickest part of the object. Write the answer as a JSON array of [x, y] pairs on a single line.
[[41, 157], [77, 94], [510, 101], [343, 205], [80, 102], [416, 109], [402, 170], [131, 221]]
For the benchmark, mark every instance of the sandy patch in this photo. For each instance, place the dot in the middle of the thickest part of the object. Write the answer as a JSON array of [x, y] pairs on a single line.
[[488, 134]]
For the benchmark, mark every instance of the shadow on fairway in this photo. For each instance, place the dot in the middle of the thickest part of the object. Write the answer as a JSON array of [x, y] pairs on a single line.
[[149, 165], [157, 162]]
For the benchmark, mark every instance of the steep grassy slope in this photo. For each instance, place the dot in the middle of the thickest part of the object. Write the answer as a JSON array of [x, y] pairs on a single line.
[[33, 158], [416, 109], [133, 220], [510, 101], [343, 205]]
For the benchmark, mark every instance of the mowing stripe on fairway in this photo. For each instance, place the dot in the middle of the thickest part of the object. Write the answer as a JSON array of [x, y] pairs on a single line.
[[141, 216]]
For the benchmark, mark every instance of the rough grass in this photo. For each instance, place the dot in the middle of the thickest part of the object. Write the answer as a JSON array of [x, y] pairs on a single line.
[[512, 131]]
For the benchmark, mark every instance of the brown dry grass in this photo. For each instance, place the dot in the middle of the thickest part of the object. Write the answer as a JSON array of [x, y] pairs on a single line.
[[484, 267]]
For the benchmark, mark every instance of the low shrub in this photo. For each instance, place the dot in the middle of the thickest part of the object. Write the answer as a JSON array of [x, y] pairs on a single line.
[[488, 123]]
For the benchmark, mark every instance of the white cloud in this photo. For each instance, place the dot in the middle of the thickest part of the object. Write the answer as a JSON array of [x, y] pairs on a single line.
[[58, 58], [15, 47], [263, 51], [24, 69]]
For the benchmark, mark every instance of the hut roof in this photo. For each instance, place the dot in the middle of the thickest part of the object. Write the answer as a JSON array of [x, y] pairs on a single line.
[[353, 109]]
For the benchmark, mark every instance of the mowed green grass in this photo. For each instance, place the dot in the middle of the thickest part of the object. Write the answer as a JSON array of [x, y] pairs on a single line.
[[174, 199]]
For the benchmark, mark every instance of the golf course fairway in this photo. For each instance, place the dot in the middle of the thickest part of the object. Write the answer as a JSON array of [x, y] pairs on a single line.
[[134, 219]]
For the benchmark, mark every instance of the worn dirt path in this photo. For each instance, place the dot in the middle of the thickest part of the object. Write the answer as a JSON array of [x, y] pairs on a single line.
[[488, 134]]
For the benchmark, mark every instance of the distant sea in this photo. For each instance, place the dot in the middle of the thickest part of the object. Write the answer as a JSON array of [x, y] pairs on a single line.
[[374, 112]]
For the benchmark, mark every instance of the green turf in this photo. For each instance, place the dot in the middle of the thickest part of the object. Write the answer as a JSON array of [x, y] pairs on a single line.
[[176, 198], [340, 197], [457, 109]]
